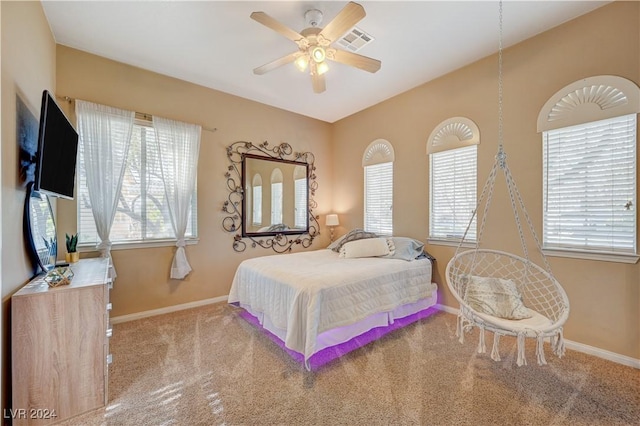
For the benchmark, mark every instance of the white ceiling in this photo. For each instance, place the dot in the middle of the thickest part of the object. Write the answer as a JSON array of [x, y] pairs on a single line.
[[215, 44]]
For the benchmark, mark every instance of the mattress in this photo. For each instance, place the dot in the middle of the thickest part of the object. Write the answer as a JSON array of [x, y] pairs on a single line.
[[301, 296]]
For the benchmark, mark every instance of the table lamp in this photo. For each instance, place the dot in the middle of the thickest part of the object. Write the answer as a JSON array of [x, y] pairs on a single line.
[[331, 221]]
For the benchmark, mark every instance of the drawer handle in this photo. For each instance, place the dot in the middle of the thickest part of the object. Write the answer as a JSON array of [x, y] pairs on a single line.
[[109, 306], [109, 332], [109, 359]]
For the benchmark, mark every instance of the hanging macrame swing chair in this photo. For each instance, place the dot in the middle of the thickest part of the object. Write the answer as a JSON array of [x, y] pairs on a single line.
[[501, 292], [480, 278]]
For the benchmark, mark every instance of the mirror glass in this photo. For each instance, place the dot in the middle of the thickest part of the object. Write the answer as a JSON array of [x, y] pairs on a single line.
[[276, 196], [40, 229]]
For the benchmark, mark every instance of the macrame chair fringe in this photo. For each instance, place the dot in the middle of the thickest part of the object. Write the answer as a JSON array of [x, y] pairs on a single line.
[[558, 344], [495, 353], [482, 348], [522, 360], [540, 351], [460, 328]]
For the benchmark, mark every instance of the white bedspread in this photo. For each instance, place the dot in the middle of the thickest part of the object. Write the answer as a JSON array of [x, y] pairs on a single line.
[[310, 292]]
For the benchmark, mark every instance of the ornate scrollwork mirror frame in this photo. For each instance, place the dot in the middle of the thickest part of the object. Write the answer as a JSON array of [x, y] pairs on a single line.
[[232, 207]]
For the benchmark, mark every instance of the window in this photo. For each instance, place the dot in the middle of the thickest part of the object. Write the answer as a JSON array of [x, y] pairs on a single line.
[[276, 196], [378, 187], [589, 186], [257, 200], [142, 214], [453, 164], [589, 135], [453, 193], [300, 194]]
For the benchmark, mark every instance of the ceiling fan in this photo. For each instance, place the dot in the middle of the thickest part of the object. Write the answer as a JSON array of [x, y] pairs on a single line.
[[314, 44]]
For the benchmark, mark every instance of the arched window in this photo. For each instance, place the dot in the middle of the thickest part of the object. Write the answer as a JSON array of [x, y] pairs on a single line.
[[256, 193], [276, 196], [300, 194], [589, 169], [453, 164], [377, 162]]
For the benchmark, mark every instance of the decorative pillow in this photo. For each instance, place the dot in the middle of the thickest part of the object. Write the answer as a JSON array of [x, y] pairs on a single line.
[[354, 235], [496, 297], [336, 243], [407, 249], [368, 247]]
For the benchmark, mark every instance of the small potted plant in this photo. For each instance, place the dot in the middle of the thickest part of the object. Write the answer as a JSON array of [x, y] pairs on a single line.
[[72, 246]]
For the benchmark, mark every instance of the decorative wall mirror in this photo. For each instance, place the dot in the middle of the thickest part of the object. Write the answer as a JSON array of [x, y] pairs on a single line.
[[271, 196], [40, 230]]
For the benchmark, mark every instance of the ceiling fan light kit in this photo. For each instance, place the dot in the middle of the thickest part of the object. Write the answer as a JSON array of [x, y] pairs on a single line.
[[302, 62], [314, 44], [318, 54]]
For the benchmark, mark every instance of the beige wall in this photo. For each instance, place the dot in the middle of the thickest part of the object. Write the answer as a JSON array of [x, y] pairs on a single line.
[[143, 274], [28, 67], [604, 296]]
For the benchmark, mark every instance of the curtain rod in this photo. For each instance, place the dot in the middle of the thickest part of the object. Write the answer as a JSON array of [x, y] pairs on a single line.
[[142, 115]]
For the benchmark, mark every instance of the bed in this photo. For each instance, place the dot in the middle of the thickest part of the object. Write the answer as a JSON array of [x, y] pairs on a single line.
[[314, 300]]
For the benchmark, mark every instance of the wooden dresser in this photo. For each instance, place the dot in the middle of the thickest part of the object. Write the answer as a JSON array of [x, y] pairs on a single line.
[[60, 346]]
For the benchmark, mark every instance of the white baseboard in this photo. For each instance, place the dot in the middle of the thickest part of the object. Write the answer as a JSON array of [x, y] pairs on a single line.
[[579, 347], [168, 309], [446, 308], [601, 353]]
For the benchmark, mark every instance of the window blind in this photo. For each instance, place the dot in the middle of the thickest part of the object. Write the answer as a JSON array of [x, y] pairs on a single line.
[[378, 198], [301, 205], [589, 184], [276, 203], [142, 213], [453, 192], [257, 205]]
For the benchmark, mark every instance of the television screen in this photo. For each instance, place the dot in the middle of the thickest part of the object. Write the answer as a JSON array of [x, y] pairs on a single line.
[[57, 149]]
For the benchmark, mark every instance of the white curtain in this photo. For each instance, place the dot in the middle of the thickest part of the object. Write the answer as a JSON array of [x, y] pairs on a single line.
[[105, 134], [178, 147]]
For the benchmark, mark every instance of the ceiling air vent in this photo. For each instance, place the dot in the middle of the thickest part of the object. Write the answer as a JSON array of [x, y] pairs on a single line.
[[355, 39]]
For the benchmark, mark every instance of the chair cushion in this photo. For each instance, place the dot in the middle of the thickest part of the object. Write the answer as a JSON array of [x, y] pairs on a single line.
[[495, 296], [529, 326]]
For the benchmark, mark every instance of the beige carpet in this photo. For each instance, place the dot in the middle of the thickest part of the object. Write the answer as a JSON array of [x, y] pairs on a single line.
[[207, 366]]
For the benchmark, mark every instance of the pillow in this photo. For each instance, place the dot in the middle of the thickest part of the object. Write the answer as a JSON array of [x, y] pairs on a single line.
[[368, 247], [336, 243], [354, 235], [496, 297], [407, 249]]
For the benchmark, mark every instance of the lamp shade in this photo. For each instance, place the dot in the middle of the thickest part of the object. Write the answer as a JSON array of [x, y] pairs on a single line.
[[332, 220]]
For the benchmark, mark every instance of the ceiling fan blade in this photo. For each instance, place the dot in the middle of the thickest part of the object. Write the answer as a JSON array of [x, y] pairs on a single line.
[[353, 59], [347, 18], [318, 82], [275, 64], [278, 27]]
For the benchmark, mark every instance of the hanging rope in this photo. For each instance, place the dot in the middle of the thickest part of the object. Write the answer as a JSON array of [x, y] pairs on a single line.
[[500, 134]]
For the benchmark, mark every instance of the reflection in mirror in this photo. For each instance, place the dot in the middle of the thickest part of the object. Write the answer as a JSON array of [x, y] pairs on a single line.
[[281, 205], [40, 229]]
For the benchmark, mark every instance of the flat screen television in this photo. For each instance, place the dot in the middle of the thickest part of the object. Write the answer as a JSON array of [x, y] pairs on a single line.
[[57, 151]]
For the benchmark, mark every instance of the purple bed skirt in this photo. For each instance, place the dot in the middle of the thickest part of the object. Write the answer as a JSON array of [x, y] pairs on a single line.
[[326, 355]]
